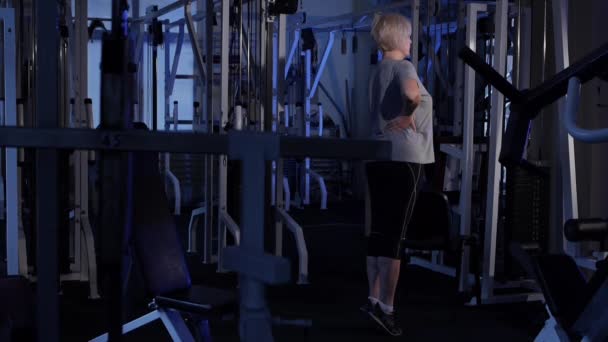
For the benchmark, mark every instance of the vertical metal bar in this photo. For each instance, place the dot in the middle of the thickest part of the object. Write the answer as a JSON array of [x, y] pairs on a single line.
[[524, 47], [264, 90], [23, 263], [47, 44], [64, 65], [252, 208], [281, 64], [459, 78], [466, 164], [320, 106], [210, 159], [170, 179], [82, 40], [10, 119], [240, 49], [494, 167], [168, 88], [517, 43], [225, 108], [307, 114], [117, 17], [80, 157], [254, 322], [275, 81], [566, 154], [415, 31], [537, 41], [274, 70], [115, 170], [89, 269], [154, 83], [250, 109], [210, 14], [136, 31]]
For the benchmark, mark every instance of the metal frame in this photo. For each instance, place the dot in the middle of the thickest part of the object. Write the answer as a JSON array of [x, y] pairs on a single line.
[[171, 76], [192, 227], [568, 196], [23, 262], [307, 115], [226, 223], [172, 320], [232, 227], [84, 118], [329, 25], [47, 216], [81, 243], [552, 332], [494, 167], [465, 153], [415, 31], [466, 156], [292, 51], [161, 11], [352, 17], [196, 49], [171, 67], [322, 188], [310, 93], [283, 63], [205, 35], [249, 260], [466, 164], [225, 109], [255, 149], [7, 16], [298, 235], [488, 285], [170, 177], [569, 119]]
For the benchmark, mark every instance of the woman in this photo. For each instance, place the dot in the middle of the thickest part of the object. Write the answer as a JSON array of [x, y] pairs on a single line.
[[401, 112]]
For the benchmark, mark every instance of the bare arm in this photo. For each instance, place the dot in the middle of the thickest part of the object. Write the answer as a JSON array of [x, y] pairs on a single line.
[[411, 99], [411, 96]]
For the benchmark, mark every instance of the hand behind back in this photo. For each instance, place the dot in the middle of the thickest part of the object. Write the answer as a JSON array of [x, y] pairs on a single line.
[[401, 123]]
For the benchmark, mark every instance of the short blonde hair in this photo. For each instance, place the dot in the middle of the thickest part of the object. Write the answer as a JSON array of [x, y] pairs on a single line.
[[390, 30]]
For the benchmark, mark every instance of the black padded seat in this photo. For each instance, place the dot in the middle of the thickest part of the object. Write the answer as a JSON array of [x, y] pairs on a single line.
[[159, 251], [573, 302]]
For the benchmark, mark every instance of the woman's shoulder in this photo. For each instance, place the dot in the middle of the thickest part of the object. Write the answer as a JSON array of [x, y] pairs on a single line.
[[405, 68], [406, 63]]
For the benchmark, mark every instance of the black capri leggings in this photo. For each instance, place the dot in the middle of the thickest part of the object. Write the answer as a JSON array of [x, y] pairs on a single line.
[[392, 190]]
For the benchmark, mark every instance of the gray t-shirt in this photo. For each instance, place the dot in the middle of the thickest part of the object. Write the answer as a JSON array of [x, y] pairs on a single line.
[[386, 103]]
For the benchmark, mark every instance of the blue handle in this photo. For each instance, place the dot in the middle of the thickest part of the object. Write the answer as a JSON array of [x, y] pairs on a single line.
[[572, 103]]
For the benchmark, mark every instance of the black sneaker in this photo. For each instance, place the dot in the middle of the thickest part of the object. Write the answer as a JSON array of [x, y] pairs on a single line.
[[368, 307], [386, 321]]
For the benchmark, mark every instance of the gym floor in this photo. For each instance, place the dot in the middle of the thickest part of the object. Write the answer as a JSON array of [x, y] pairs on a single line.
[[428, 306]]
